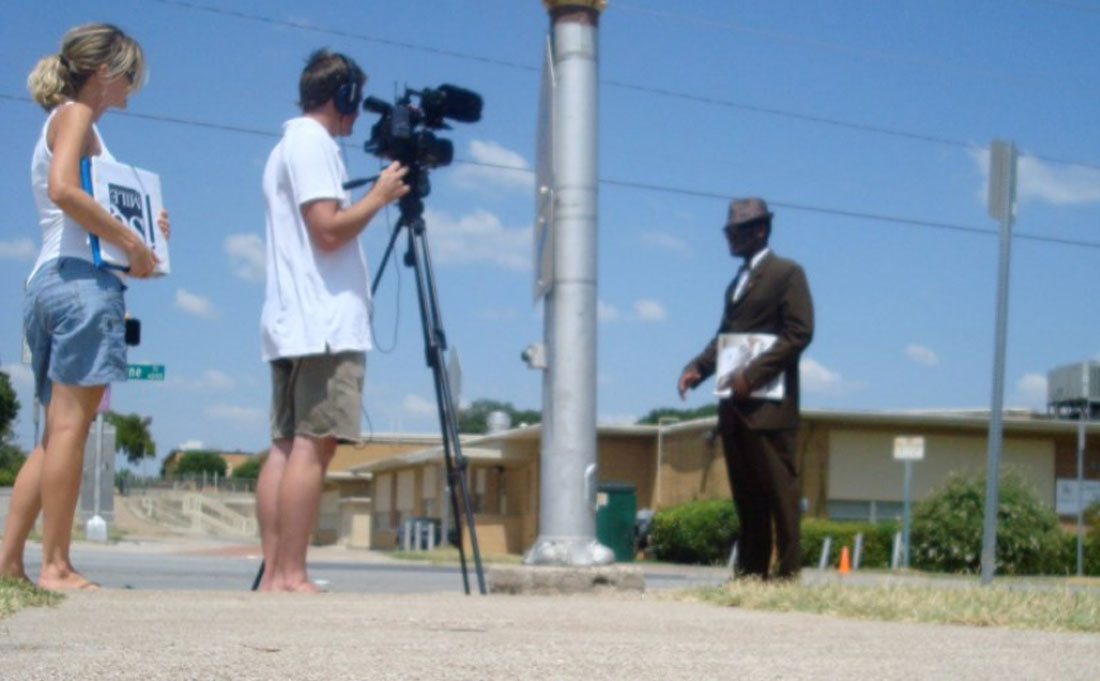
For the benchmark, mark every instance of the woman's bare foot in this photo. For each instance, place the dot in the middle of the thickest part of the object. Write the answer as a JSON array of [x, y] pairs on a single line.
[[15, 572], [65, 580]]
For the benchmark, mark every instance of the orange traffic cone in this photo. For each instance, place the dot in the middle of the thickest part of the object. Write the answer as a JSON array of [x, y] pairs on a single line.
[[845, 562]]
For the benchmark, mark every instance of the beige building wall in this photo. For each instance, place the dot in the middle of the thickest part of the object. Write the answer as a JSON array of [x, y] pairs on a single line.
[[862, 467]]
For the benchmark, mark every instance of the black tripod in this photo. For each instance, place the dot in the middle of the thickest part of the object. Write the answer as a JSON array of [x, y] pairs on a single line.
[[435, 343]]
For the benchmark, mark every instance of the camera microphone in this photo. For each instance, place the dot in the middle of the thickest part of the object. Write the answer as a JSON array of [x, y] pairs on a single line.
[[376, 105], [460, 104]]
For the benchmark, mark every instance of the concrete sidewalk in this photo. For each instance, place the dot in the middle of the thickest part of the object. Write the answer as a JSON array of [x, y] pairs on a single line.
[[174, 635]]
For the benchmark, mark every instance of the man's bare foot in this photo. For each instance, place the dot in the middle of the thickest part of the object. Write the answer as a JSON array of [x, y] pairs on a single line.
[[302, 587]]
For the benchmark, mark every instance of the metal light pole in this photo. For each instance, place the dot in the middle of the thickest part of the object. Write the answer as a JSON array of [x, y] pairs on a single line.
[[1002, 206], [567, 484], [661, 420]]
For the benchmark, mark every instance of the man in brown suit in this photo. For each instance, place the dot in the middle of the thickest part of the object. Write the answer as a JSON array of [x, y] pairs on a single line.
[[769, 295]]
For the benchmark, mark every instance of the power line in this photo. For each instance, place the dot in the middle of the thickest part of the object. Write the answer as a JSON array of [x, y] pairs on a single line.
[[915, 222], [662, 92], [301, 25], [861, 52], [877, 217]]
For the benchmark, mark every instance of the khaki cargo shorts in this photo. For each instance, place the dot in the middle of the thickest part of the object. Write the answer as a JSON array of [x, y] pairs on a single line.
[[317, 396]]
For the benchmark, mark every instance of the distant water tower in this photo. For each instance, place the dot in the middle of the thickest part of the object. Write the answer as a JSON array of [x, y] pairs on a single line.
[[498, 421], [1073, 390]]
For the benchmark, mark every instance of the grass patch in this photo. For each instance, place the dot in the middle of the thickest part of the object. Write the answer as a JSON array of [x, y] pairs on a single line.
[[1044, 609], [16, 594], [449, 554]]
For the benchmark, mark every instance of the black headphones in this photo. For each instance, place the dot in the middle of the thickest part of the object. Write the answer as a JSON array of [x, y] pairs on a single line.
[[348, 97]]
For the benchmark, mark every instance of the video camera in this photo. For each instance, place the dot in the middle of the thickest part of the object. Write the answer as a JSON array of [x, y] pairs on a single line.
[[404, 131]]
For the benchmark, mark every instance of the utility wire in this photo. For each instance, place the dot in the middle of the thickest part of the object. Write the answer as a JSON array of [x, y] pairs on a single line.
[[662, 92], [304, 26], [861, 52], [652, 187]]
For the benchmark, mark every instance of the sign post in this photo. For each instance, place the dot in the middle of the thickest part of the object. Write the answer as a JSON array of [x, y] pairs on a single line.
[[907, 449]]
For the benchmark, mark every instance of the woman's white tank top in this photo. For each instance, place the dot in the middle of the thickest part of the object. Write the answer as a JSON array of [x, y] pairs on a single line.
[[61, 235]]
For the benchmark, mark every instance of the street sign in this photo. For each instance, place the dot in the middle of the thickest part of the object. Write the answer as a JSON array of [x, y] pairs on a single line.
[[909, 448], [145, 372]]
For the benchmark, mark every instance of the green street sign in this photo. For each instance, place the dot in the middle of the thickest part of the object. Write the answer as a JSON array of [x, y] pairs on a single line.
[[145, 372]]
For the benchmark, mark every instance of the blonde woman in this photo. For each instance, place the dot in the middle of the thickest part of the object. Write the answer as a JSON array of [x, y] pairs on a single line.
[[73, 312]]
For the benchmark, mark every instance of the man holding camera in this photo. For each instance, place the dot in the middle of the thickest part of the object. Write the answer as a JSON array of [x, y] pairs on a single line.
[[769, 296], [315, 322]]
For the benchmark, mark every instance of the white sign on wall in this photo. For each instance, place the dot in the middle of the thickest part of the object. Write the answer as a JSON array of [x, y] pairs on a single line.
[[1065, 495], [909, 448]]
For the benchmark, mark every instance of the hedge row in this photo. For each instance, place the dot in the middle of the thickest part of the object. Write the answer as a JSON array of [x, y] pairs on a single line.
[[945, 534]]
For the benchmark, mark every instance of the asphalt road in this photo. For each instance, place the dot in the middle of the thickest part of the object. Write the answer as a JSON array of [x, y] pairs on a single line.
[[228, 567]]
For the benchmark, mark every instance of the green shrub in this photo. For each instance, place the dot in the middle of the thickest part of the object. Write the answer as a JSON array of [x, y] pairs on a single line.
[[878, 542], [1091, 554], [249, 470], [695, 532], [7, 478], [947, 529], [199, 462], [1091, 518]]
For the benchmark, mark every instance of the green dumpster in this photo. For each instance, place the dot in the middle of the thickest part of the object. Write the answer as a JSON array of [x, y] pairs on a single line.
[[615, 504]]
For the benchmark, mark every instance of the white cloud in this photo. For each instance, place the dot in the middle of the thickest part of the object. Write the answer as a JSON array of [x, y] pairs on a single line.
[[191, 445], [646, 310], [1033, 389], [18, 249], [816, 378], [212, 379], [195, 304], [489, 179], [478, 237], [21, 375], [246, 256], [1059, 184], [236, 414], [606, 312], [414, 404], [665, 242], [922, 355]]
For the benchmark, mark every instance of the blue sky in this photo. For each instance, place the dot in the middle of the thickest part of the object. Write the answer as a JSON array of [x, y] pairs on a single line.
[[826, 108]]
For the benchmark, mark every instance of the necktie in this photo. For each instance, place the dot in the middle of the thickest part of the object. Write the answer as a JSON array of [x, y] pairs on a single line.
[[742, 279]]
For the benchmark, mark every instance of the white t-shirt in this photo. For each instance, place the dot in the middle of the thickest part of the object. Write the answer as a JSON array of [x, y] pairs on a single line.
[[61, 235], [316, 301]]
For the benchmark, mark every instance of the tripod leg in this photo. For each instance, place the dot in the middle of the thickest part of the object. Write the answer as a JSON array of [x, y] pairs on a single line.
[[434, 345], [259, 576]]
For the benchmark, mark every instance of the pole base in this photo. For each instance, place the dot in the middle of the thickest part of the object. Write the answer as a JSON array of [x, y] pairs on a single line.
[[96, 529], [567, 551]]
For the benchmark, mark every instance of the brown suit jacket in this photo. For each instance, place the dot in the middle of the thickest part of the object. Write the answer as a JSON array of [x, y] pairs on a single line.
[[776, 300]]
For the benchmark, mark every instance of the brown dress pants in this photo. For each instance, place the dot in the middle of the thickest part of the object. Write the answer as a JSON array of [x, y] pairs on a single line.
[[764, 479]]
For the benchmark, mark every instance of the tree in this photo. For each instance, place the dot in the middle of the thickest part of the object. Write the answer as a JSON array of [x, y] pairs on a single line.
[[132, 435], [681, 414], [201, 461], [250, 469], [474, 418], [9, 406], [11, 456]]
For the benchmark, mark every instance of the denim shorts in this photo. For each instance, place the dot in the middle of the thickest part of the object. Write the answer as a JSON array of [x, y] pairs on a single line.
[[74, 317]]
